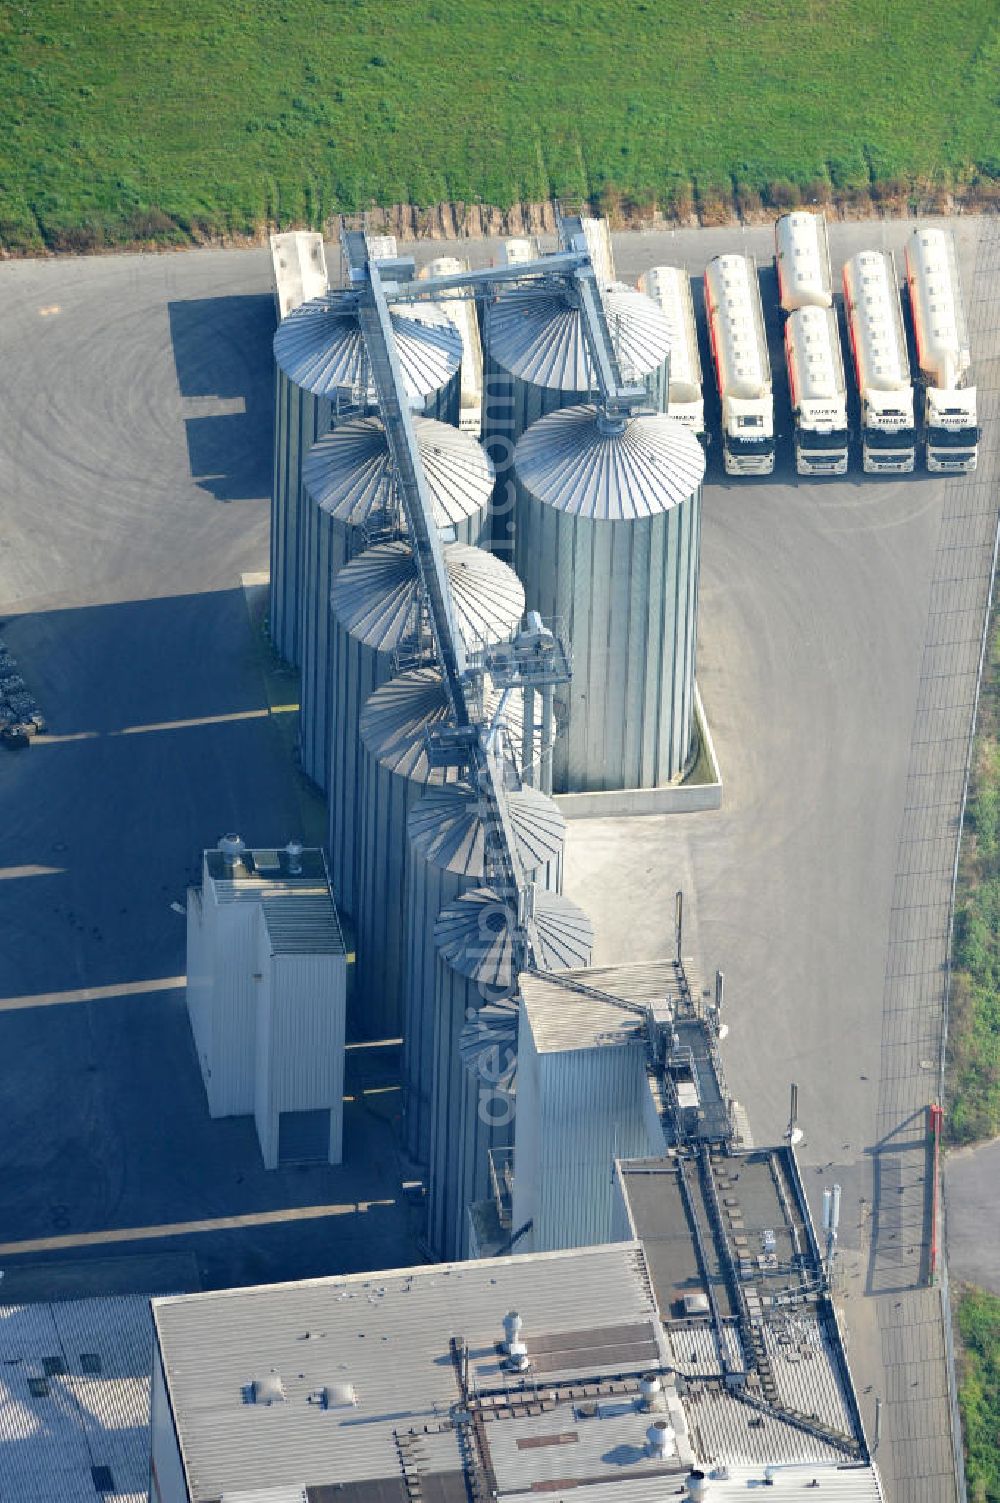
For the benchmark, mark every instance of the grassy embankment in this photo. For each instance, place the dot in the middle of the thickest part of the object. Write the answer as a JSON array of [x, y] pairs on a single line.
[[167, 121], [974, 1031], [979, 1393]]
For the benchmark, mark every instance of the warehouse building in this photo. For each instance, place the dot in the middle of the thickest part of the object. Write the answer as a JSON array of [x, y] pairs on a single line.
[[624, 1369]]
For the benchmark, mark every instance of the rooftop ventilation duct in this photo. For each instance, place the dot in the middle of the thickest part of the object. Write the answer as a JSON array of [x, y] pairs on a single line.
[[267, 1390], [660, 1437], [697, 1486], [649, 1390], [511, 1328], [294, 850]]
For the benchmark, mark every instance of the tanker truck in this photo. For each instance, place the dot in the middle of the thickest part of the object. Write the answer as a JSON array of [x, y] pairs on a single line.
[[670, 287], [818, 391], [951, 432], [742, 365], [882, 366], [802, 262], [462, 313]]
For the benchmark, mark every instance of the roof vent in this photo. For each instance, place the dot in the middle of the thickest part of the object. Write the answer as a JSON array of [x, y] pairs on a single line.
[[294, 850], [697, 1486], [660, 1436], [339, 1396], [511, 1327], [649, 1389], [267, 1390], [232, 849]]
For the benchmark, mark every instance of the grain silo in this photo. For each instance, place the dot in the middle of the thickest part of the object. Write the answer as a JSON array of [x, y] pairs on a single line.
[[537, 361], [375, 606], [348, 496], [446, 855], [608, 531], [473, 1090], [394, 771], [321, 369]]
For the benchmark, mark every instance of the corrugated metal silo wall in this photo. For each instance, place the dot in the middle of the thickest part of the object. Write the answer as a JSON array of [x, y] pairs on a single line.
[[299, 420], [461, 1134], [587, 1109], [379, 899], [327, 550], [430, 1053], [627, 596], [356, 671]]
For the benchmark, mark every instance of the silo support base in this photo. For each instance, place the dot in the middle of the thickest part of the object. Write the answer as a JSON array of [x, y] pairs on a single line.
[[701, 790]]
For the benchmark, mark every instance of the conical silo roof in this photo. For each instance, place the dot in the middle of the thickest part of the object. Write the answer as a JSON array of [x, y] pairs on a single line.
[[348, 473], [575, 463], [488, 1044], [375, 596], [536, 333], [320, 347], [447, 829], [475, 936]]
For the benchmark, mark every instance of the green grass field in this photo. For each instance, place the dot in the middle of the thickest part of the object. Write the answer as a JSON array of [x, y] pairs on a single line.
[[979, 1393], [167, 118]]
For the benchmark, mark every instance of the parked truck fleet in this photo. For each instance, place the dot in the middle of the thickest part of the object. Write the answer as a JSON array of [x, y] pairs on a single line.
[[939, 412]]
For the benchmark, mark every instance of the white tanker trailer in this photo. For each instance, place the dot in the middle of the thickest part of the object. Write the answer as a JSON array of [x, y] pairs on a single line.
[[882, 366], [670, 288], [742, 365], [818, 391], [462, 313], [949, 408], [802, 261]]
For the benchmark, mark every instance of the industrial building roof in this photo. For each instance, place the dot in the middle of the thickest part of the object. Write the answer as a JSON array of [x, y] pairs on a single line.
[[569, 461], [580, 1009], [740, 1289], [74, 1400], [293, 890], [587, 1314], [306, 925]]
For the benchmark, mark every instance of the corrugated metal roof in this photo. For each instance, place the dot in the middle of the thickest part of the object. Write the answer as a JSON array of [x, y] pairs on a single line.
[[388, 1334], [841, 1484], [446, 828], [474, 935], [303, 924], [536, 333], [570, 464], [92, 1414], [319, 347], [576, 1009], [348, 473], [376, 596]]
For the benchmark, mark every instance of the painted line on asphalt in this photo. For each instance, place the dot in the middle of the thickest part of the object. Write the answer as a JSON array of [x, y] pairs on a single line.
[[185, 1228], [93, 993]]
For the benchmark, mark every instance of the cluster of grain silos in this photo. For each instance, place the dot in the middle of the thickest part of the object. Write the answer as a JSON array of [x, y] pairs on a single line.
[[348, 499], [321, 371], [606, 516]]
